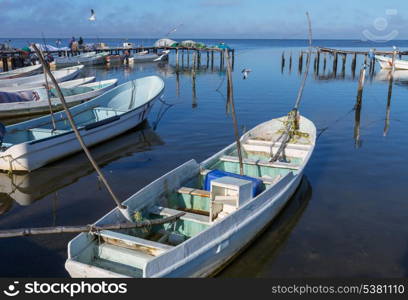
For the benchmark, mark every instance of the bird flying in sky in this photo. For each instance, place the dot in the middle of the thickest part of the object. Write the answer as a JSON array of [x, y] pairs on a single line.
[[245, 73], [92, 17]]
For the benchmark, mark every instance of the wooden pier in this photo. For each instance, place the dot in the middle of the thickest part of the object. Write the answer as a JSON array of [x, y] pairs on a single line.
[[15, 58], [336, 67]]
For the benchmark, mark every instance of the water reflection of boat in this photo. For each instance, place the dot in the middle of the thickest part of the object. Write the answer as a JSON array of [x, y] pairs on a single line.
[[265, 249], [30, 187], [399, 75]]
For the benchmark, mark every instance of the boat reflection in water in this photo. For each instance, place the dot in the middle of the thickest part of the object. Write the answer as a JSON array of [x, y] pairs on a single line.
[[29, 187], [262, 252], [398, 76]]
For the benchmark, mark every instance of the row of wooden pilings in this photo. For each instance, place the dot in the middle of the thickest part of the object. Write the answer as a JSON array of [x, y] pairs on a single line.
[[321, 57]]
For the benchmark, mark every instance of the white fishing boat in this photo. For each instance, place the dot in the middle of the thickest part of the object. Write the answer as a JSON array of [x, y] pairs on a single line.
[[38, 80], [386, 63], [145, 56], [21, 72], [32, 102], [224, 211], [65, 84], [87, 59], [32, 144]]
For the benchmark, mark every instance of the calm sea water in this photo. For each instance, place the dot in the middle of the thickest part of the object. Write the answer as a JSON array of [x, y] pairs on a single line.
[[348, 218]]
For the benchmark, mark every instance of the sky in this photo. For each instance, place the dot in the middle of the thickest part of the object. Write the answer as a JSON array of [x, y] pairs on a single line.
[[345, 19]]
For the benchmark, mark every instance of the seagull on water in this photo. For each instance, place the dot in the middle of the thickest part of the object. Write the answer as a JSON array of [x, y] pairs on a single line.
[[92, 17], [245, 73]]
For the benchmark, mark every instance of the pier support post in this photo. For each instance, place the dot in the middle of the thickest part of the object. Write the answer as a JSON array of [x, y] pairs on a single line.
[[5, 64], [177, 58], [335, 57], [300, 65], [212, 60], [283, 61], [353, 65], [290, 62]]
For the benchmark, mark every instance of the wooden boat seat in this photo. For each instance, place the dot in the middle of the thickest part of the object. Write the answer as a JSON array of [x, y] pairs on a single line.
[[164, 211], [40, 133], [132, 242], [291, 150], [262, 163], [194, 192], [265, 180], [305, 147]]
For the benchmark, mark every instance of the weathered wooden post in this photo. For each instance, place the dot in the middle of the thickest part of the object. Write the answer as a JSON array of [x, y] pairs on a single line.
[[343, 66], [188, 58], [177, 58], [318, 62], [221, 60], [5, 64], [353, 65], [283, 61], [300, 64], [182, 58], [290, 62], [357, 107], [335, 57], [194, 94], [324, 62], [389, 96], [233, 59], [208, 59]]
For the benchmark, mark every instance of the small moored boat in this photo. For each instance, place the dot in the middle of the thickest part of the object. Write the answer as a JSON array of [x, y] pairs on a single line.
[[65, 84], [386, 63], [38, 80], [20, 72], [87, 59], [36, 101], [224, 211], [145, 56], [32, 144]]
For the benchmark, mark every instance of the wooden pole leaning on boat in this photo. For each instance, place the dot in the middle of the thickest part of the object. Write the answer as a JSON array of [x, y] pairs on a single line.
[[48, 90], [230, 101], [122, 208], [86, 228]]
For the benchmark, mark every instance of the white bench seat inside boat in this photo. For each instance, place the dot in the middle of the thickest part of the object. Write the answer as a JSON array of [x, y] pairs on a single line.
[[133, 242], [124, 256], [164, 211], [194, 192], [263, 163]]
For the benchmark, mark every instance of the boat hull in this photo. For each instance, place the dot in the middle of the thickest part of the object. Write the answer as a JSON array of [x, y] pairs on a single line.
[[29, 156], [386, 63]]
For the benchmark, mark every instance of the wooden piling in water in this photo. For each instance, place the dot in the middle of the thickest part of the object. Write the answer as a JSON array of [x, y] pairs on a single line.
[[283, 61], [357, 107], [5, 64], [335, 57], [194, 92], [324, 63], [290, 62], [212, 60], [353, 65], [318, 62], [300, 64], [177, 58]]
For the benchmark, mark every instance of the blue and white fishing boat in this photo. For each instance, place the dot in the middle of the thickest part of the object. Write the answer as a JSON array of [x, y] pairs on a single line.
[[32, 144], [224, 210]]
